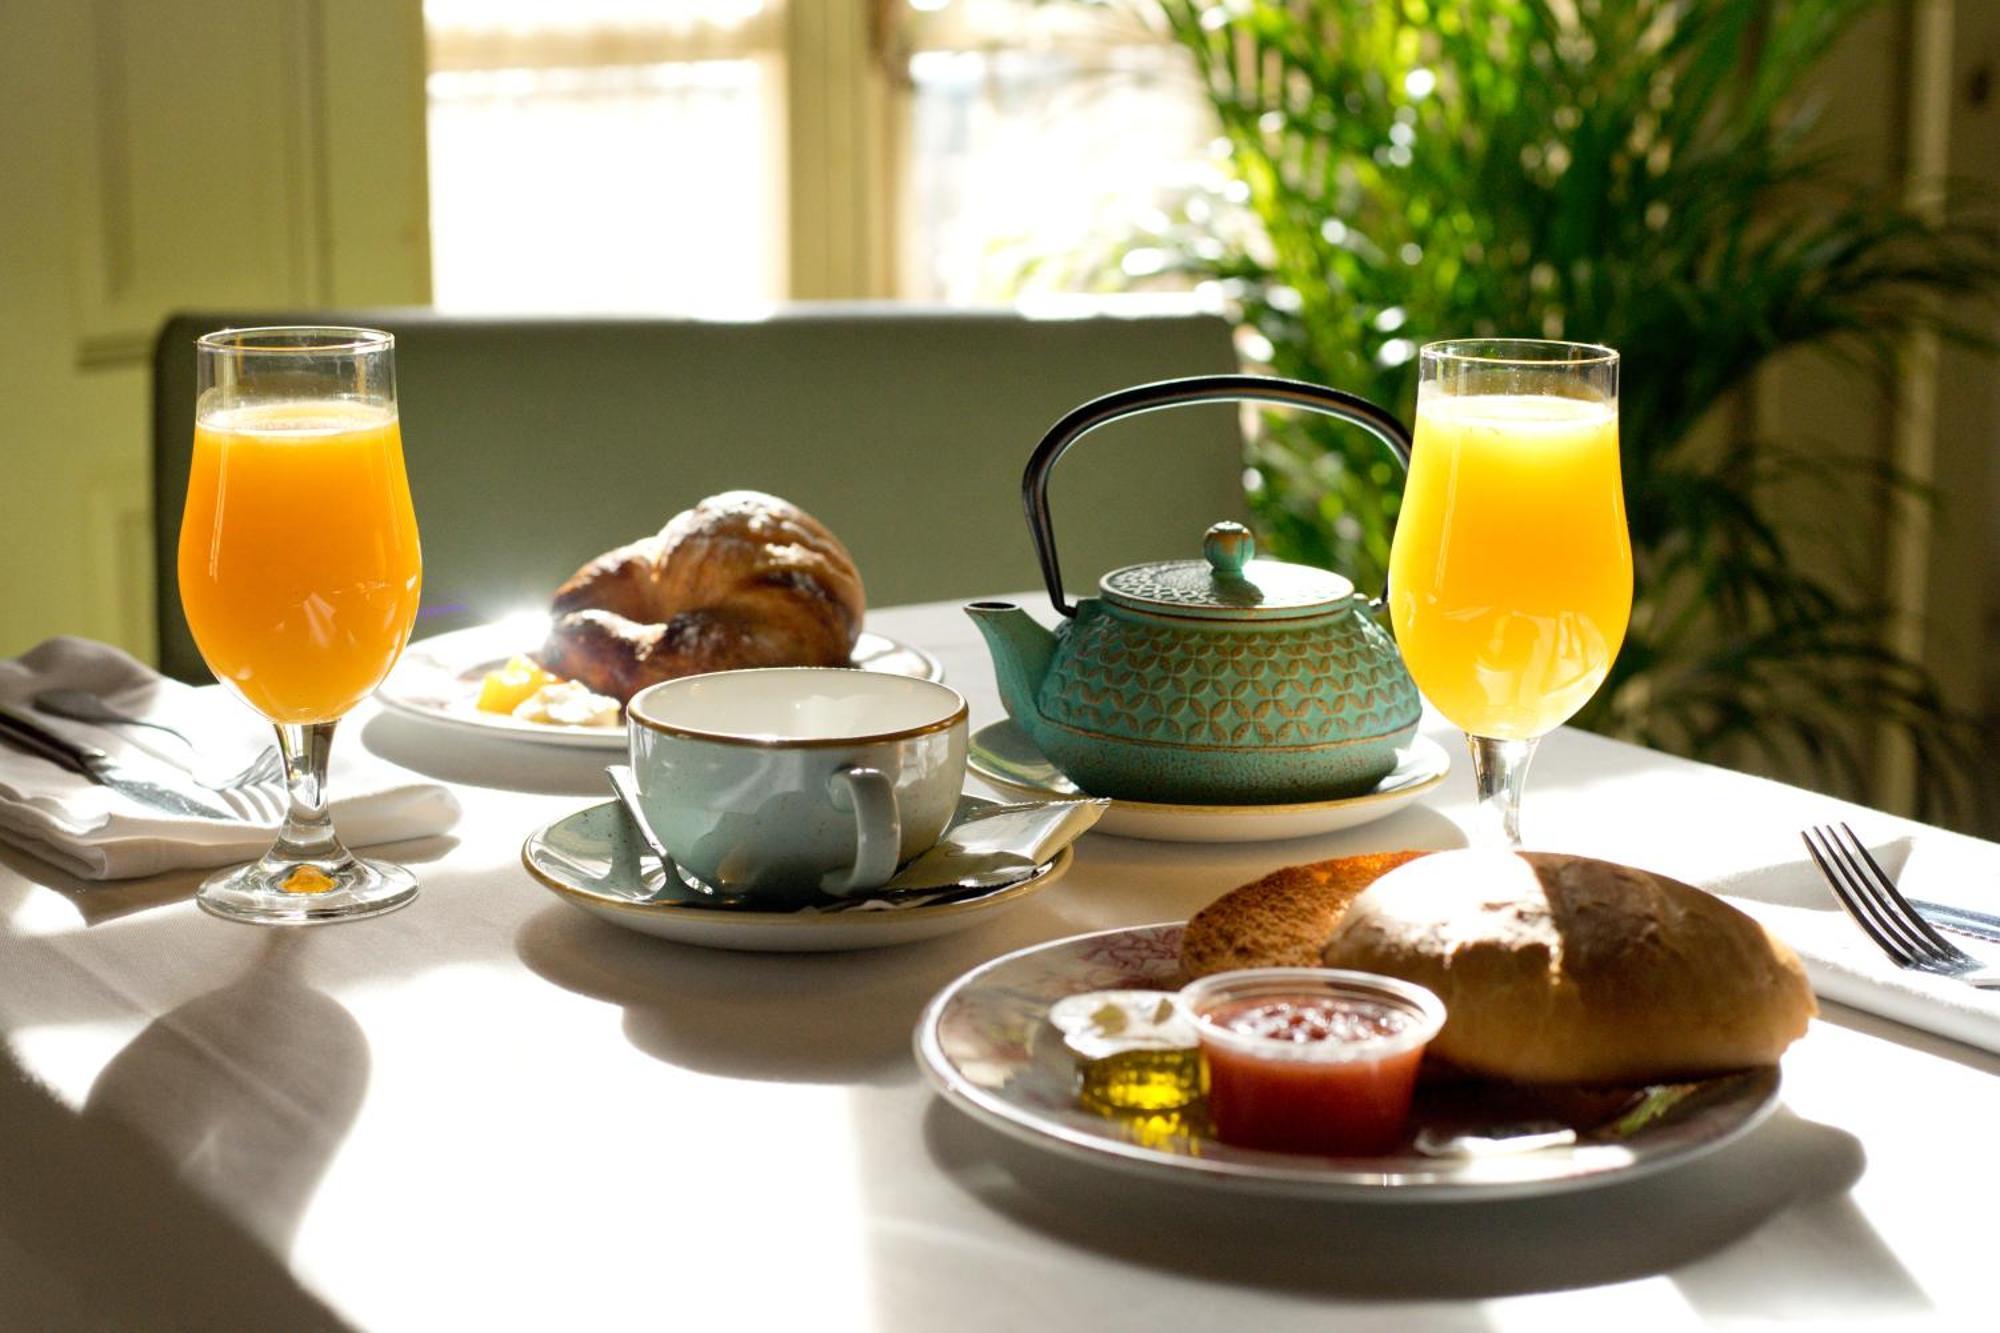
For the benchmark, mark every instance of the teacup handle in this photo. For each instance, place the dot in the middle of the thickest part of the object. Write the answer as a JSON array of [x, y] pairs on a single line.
[[878, 828], [1377, 421]]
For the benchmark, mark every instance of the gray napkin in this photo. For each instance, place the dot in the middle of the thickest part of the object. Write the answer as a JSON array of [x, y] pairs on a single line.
[[986, 848]]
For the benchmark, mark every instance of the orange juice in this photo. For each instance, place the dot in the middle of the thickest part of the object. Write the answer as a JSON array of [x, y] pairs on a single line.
[[299, 564], [1510, 580]]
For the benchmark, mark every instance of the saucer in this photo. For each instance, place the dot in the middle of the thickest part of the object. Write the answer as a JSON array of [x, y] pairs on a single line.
[[594, 861], [1004, 757]]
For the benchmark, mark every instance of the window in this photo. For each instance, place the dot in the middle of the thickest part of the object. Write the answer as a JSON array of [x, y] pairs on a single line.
[[695, 155], [1037, 134], [605, 155]]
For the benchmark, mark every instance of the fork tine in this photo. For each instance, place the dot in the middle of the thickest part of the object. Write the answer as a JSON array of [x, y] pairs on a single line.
[[1838, 878], [239, 803], [272, 796], [1880, 908], [1885, 888], [259, 770], [268, 766], [1891, 913]]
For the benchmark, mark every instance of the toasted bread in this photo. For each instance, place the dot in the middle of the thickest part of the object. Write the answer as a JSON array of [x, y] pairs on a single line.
[[1283, 919]]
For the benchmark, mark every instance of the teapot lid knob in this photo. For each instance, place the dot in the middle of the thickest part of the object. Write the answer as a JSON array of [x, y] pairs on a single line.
[[1229, 547], [1228, 585]]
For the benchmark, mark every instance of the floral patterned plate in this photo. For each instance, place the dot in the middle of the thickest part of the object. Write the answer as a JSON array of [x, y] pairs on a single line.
[[985, 1043]]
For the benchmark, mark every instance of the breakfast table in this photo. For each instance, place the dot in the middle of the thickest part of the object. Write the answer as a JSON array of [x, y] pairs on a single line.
[[492, 1110]]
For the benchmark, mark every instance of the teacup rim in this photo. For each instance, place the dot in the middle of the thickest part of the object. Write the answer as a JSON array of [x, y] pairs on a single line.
[[635, 715]]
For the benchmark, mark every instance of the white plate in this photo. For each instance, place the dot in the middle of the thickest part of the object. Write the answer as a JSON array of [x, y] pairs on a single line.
[[438, 678], [985, 1043], [593, 860], [1003, 756]]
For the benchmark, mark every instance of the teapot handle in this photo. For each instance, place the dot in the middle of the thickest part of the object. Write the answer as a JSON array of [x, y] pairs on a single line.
[[1174, 393]]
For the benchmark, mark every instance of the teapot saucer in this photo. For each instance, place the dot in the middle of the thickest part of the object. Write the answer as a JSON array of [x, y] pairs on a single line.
[[1004, 757]]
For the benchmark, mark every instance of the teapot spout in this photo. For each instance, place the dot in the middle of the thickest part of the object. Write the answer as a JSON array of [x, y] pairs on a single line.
[[1022, 651]]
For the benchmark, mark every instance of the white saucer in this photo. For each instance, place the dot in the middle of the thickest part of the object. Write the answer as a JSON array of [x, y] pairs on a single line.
[[594, 861], [1003, 756], [438, 679]]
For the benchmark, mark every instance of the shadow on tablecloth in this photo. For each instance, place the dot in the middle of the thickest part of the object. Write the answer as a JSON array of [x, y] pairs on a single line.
[[1614, 1233], [100, 900], [247, 1090], [170, 1199], [780, 1017]]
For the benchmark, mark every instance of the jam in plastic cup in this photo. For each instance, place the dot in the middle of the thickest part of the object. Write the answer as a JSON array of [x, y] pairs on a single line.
[[1311, 1059]]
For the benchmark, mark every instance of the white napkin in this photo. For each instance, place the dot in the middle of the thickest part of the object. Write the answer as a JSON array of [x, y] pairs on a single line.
[[1845, 966], [96, 833]]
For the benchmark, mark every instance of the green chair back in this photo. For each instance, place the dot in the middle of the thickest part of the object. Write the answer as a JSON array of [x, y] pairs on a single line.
[[535, 444]]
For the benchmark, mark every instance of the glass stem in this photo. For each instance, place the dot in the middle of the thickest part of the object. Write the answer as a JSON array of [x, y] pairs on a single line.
[[308, 832], [1499, 768]]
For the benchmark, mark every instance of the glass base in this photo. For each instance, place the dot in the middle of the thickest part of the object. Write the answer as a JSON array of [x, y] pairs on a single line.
[[282, 892]]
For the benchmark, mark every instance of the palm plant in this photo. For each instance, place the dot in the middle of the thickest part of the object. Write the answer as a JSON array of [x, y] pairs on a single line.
[[1631, 172]]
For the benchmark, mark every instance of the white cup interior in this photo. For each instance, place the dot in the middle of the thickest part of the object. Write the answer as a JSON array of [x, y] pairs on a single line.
[[796, 704]]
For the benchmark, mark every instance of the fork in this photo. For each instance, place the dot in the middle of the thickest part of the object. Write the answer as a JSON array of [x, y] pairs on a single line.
[[263, 771], [256, 802], [83, 706], [1883, 913], [257, 793]]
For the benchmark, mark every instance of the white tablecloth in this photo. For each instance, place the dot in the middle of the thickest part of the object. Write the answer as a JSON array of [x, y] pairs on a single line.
[[492, 1111]]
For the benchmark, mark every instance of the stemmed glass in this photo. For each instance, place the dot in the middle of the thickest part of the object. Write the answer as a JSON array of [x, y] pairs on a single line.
[[1510, 578], [299, 573]]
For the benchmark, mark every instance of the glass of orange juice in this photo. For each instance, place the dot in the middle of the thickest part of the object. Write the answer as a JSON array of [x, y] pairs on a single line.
[[299, 573], [1510, 578]]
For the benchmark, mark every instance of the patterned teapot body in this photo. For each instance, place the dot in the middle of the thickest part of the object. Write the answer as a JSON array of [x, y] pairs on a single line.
[[1225, 681], [1238, 682]]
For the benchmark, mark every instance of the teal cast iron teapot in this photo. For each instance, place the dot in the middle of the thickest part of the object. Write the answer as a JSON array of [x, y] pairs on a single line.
[[1224, 681]]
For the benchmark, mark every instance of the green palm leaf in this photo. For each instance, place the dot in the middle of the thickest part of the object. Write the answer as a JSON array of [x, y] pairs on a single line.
[[1631, 172]]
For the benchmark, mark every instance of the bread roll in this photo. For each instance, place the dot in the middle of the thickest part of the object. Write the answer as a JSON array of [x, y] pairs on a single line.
[[1557, 969], [1283, 919]]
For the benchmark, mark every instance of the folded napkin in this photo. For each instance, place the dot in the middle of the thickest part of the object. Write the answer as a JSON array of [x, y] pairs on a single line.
[[987, 847], [96, 833], [1845, 966]]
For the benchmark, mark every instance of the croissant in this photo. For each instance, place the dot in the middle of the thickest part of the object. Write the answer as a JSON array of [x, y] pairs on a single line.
[[743, 579]]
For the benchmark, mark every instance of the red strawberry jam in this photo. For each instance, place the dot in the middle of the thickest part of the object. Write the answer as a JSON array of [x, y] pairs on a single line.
[[1311, 1060]]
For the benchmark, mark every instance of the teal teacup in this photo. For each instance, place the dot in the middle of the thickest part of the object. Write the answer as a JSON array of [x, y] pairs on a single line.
[[790, 782]]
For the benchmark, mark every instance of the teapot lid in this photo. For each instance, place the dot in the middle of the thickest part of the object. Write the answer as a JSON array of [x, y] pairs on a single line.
[[1228, 585]]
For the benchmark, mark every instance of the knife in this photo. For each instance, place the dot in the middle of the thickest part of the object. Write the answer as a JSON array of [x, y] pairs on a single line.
[[1962, 920], [155, 789]]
